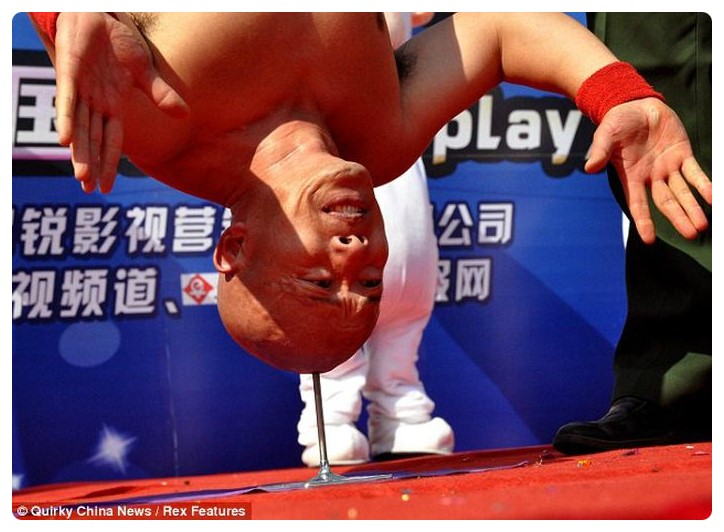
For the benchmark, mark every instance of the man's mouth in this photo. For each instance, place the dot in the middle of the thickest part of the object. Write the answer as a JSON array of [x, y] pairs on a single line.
[[346, 209], [348, 196]]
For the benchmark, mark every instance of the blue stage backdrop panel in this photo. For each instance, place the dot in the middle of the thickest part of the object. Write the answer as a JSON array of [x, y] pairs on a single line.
[[122, 369]]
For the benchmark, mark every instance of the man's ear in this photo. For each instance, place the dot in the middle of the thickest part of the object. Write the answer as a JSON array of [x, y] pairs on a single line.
[[229, 252]]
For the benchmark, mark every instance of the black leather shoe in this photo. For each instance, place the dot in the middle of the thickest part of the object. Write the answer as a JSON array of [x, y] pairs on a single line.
[[630, 422]]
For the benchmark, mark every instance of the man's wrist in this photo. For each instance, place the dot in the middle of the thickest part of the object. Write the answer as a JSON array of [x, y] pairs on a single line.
[[610, 86]]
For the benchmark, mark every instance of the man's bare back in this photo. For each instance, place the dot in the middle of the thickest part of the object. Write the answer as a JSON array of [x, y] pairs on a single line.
[[267, 75]]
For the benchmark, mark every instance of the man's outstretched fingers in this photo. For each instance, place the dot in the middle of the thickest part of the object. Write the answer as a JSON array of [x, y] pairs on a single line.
[[111, 153], [80, 148], [680, 188], [65, 99], [639, 207], [667, 203], [95, 142], [693, 174]]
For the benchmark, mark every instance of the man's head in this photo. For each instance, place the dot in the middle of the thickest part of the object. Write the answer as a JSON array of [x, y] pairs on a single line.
[[301, 265]]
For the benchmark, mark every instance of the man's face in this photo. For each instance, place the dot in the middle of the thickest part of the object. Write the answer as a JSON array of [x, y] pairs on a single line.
[[315, 268], [336, 246]]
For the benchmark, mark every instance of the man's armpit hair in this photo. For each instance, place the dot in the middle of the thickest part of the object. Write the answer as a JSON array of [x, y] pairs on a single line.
[[145, 22], [405, 62]]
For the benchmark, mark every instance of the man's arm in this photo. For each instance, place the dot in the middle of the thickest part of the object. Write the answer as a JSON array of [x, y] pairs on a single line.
[[551, 51], [99, 58], [548, 51]]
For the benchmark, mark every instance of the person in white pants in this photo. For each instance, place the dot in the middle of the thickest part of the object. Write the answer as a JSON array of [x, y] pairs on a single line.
[[384, 371]]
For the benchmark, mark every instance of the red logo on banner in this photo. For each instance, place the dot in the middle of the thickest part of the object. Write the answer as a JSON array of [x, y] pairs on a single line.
[[198, 288]]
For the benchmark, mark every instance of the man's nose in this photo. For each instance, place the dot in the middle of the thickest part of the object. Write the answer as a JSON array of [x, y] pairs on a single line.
[[350, 244]]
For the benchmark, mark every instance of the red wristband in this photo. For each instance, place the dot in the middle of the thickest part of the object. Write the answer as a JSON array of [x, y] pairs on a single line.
[[610, 86], [46, 22]]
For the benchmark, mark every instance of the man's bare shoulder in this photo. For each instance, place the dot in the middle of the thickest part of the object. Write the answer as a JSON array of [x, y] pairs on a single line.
[[235, 69], [235, 66]]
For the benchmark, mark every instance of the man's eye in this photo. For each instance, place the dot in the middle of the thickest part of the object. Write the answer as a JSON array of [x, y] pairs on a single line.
[[371, 283], [321, 283]]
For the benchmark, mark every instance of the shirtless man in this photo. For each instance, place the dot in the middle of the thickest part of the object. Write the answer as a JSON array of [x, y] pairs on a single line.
[[269, 115]]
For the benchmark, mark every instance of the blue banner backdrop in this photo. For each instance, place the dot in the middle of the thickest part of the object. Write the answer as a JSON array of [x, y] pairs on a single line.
[[122, 369]]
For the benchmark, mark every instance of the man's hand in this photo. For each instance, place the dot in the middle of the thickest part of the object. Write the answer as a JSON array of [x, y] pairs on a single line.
[[648, 145], [98, 62]]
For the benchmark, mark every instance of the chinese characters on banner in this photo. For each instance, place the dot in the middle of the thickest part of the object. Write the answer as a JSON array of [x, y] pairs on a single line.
[[47, 234]]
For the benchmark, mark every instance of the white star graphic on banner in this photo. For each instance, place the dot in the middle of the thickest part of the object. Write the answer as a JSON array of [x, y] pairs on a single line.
[[113, 448]]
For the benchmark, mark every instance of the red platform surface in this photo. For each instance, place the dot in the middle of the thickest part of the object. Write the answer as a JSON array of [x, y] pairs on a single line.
[[668, 482]]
